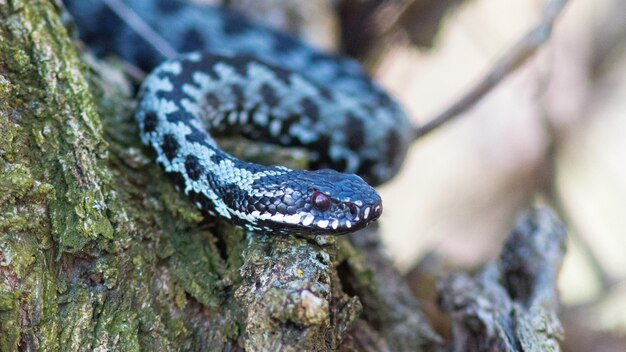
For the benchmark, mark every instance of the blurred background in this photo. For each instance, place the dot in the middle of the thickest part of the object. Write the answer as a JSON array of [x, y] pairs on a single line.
[[553, 133]]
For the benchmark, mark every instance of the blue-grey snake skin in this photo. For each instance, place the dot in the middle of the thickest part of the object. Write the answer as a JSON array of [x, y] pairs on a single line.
[[268, 87]]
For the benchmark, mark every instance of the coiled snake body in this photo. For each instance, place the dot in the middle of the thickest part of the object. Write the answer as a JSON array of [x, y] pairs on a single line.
[[267, 87]]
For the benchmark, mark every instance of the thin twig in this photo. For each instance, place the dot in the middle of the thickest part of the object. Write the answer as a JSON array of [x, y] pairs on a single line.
[[142, 28], [512, 59]]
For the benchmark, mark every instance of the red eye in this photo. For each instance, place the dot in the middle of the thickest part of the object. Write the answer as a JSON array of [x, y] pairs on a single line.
[[320, 201]]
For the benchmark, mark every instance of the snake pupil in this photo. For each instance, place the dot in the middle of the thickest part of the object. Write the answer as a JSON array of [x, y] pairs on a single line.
[[320, 201]]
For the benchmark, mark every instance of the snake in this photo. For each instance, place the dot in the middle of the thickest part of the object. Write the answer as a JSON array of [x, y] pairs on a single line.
[[234, 75]]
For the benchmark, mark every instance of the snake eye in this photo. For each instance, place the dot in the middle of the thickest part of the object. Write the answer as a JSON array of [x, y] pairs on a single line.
[[320, 201]]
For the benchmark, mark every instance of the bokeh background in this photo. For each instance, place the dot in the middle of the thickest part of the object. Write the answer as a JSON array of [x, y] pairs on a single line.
[[553, 133]]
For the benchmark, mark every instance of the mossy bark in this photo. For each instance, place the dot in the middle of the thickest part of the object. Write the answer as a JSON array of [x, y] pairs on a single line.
[[99, 252]]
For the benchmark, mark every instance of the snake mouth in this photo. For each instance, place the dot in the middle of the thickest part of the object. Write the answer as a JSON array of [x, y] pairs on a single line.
[[305, 224], [355, 220], [295, 230]]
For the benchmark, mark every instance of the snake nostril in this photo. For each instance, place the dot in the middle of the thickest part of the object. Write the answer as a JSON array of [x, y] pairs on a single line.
[[354, 211]]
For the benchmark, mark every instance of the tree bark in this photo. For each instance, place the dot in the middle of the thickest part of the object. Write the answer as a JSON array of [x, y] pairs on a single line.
[[511, 304]]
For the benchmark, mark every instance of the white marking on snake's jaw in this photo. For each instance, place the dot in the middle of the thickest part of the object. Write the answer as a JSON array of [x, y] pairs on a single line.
[[278, 217], [348, 224], [322, 224], [308, 220], [358, 203], [377, 208], [292, 219], [335, 224], [366, 212]]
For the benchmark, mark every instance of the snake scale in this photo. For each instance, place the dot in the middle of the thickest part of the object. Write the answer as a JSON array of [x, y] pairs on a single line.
[[268, 87]]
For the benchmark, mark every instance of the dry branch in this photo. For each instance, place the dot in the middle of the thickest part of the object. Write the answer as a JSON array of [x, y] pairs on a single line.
[[510, 61], [512, 304]]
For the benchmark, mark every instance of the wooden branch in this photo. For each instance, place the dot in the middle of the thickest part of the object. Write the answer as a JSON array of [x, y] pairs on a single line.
[[387, 300], [511, 305], [512, 59]]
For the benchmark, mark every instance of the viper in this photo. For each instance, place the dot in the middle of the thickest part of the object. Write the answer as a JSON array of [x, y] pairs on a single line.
[[239, 76]]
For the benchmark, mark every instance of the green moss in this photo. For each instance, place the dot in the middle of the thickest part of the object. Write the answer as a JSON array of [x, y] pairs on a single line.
[[9, 315], [50, 94], [107, 268], [49, 136], [195, 266], [76, 314], [9, 132]]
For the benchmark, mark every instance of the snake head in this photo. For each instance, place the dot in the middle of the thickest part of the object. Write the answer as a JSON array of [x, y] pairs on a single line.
[[322, 202]]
